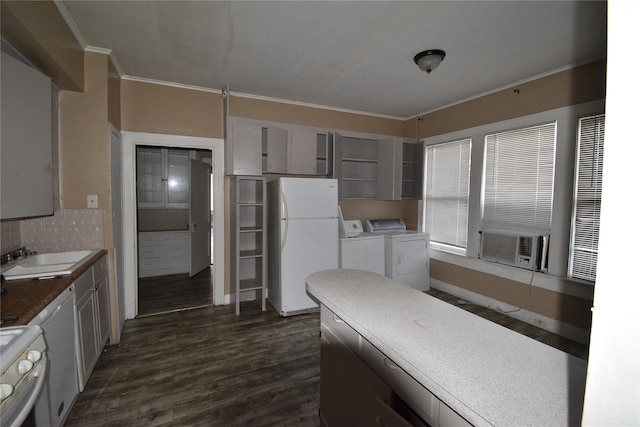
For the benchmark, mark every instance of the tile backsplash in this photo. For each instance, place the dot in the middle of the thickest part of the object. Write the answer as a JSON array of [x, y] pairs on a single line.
[[10, 236], [66, 230]]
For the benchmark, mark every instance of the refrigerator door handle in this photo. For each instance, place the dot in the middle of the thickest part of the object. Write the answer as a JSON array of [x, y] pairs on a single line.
[[285, 217]]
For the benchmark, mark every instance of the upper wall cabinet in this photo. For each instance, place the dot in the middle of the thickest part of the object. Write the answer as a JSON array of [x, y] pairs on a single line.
[[25, 141], [356, 166], [163, 177], [377, 167], [255, 147], [243, 149], [412, 168], [400, 169]]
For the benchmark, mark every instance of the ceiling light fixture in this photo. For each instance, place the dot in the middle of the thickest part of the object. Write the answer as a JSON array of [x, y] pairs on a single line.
[[429, 59]]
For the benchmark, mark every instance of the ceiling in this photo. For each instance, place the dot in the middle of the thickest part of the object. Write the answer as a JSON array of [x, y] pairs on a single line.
[[353, 55]]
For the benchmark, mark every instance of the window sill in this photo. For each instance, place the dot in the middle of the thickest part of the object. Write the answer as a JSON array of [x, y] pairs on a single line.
[[538, 279]]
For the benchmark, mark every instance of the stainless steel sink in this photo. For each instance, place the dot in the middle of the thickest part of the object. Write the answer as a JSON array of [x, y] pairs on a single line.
[[48, 265]]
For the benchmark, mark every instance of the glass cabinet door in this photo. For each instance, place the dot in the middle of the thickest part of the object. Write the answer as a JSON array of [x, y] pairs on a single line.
[[178, 172], [163, 177], [150, 175]]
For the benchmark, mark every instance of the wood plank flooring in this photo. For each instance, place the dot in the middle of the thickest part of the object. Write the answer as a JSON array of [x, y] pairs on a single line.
[[568, 346], [174, 292], [208, 367]]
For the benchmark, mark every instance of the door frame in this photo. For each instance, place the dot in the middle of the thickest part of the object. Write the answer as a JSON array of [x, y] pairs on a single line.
[[130, 229], [117, 320]]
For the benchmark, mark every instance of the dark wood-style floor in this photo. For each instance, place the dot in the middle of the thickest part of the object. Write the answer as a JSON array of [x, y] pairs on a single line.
[[174, 292], [208, 367]]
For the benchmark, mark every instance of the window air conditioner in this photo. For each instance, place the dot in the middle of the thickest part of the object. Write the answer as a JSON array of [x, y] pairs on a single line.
[[523, 251]]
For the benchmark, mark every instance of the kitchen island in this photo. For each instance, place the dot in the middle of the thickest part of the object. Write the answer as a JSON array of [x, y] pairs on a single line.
[[485, 373]]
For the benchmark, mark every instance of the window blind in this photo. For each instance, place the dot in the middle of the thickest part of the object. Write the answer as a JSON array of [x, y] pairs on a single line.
[[588, 193], [447, 192], [518, 179]]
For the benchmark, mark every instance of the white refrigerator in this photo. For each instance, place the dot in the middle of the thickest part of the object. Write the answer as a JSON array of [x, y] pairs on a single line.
[[302, 239]]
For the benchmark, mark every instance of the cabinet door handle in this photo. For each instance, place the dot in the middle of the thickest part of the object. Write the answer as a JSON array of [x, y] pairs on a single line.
[[337, 319]]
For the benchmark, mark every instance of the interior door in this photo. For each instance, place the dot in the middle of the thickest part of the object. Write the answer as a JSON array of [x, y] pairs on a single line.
[[199, 217]]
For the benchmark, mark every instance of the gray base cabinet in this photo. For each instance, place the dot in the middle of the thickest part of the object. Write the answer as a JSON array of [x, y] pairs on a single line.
[[161, 253], [359, 385], [351, 394], [93, 323]]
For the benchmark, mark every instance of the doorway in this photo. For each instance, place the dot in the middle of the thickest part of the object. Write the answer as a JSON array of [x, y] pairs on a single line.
[[131, 140], [174, 229]]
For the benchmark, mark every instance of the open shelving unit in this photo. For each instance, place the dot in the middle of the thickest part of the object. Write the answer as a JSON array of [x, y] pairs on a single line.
[[248, 243], [357, 167]]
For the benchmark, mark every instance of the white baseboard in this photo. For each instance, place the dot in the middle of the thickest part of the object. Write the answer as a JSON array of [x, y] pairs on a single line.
[[552, 325]]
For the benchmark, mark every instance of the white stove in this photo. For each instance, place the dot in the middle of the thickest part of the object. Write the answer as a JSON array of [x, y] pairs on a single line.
[[23, 365]]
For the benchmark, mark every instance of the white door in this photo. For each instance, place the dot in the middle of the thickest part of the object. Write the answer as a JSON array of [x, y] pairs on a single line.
[[412, 257], [200, 217]]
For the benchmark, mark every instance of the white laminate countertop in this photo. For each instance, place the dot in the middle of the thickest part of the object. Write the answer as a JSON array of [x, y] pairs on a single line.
[[487, 373]]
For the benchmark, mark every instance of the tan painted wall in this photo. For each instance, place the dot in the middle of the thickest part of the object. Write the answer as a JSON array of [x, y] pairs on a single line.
[[565, 308], [375, 209], [570, 87], [582, 84], [85, 166], [312, 116], [114, 96], [156, 108], [38, 31], [85, 156]]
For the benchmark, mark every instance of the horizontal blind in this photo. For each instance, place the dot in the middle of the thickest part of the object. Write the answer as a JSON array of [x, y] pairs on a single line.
[[588, 194], [518, 178], [447, 192]]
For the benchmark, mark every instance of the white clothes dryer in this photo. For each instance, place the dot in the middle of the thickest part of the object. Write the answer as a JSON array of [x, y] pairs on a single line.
[[406, 252]]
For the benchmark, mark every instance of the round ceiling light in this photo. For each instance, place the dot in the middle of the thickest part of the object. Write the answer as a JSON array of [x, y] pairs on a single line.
[[429, 60]]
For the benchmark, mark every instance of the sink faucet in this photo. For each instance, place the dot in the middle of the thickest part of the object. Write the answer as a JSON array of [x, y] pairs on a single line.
[[21, 252]]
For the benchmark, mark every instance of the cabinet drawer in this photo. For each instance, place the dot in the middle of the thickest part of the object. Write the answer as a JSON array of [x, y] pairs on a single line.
[[164, 252], [419, 398], [84, 284], [347, 334], [163, 238]]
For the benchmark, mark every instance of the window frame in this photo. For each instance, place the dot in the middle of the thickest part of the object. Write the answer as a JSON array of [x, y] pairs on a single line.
[[597, 198], [556, 277], [499, 220], [450, 246]]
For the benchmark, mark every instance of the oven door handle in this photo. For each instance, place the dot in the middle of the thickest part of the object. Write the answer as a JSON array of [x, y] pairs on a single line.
[[39, 373]]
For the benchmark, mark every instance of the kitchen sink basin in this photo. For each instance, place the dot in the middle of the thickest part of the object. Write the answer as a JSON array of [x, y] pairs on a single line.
[[48, 265]]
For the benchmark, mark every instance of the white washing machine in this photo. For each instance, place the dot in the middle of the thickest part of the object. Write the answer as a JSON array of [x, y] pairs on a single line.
[[406, 252], [360, 250]]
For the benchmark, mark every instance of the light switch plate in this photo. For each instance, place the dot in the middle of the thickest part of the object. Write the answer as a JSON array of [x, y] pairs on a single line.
[[92, 201]]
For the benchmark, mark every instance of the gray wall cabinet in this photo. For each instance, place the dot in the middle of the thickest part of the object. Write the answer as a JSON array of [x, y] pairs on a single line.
[[256, 147], [26, 172]]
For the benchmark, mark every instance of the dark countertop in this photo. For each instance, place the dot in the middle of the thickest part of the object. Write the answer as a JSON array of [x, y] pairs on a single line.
[[26, 298]]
